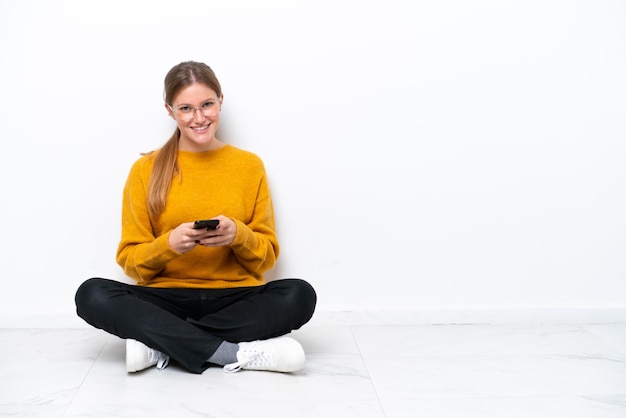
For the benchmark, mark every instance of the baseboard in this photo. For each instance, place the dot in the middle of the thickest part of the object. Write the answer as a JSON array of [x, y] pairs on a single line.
[[383, 317], [470, 317], [49, 320]]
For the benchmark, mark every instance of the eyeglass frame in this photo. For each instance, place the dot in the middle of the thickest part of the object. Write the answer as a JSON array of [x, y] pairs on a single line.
[[193, 110]]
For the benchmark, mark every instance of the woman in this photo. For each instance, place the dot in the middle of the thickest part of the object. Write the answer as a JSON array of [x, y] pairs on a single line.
[[200, 297]]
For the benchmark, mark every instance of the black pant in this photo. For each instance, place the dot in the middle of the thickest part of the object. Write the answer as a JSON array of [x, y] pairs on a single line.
[[190, 324]]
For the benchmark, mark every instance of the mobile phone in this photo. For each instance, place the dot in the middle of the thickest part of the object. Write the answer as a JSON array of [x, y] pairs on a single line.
[[206, 224]]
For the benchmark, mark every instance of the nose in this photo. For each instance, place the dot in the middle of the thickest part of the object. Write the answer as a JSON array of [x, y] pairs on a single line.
[[196, 111]]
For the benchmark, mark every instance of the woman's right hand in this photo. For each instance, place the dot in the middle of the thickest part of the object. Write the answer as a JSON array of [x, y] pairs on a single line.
[[184, 238]]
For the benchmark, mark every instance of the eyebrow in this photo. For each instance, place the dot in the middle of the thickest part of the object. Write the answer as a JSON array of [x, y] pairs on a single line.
[[203, 101]]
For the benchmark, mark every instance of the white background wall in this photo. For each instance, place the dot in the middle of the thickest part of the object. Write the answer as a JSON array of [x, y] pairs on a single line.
[[423, 155]]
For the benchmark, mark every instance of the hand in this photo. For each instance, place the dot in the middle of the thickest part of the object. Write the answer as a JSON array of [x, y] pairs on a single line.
[[184, 238], [220, 237]]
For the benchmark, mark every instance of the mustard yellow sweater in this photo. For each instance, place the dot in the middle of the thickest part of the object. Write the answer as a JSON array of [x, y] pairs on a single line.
[[227, 181]]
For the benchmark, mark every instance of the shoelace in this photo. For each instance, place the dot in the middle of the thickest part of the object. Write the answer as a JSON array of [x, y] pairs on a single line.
[[161, 359], [250, 357]]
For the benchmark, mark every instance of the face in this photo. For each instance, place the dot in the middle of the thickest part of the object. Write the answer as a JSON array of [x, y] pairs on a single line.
[[196, 110]]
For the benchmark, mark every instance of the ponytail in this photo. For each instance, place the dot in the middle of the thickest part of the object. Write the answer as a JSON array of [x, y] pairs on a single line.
[[163, 171]]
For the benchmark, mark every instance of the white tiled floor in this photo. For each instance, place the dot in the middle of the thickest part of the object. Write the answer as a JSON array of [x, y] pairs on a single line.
[[467, 371]]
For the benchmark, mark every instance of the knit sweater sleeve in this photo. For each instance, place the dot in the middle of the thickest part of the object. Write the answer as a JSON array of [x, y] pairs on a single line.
[[255, 245], [141, 254]]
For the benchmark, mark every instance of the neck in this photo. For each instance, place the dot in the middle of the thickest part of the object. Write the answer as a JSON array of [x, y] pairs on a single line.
[[212, 145]]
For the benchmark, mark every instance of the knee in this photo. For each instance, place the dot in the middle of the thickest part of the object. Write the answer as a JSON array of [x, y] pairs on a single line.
[[91, 296], [306, 294], [302, 297], [86, 291]]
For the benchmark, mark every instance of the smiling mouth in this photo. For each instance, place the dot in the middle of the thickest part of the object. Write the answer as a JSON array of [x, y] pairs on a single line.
[[200, 128]]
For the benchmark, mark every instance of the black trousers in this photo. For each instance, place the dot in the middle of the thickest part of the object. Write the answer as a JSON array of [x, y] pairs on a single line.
[[189, 324]]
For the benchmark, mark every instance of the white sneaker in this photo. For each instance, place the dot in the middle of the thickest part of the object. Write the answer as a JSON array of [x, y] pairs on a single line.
[[282, 354], [139, 356]]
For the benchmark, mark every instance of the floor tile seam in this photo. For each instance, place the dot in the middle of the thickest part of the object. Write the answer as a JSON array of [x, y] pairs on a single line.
[[82, 381], [367, 371]]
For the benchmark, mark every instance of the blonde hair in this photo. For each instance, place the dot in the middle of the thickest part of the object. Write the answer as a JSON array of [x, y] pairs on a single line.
[[165, 166]]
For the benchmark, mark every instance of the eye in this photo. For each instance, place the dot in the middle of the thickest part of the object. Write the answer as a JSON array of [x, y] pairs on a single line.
[[207, 105], [184, 109]]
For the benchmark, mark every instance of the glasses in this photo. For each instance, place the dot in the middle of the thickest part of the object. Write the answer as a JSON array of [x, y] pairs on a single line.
[[187, 113]]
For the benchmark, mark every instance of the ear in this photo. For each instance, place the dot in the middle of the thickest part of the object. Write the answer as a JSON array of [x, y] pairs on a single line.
[[169, 111], [221, 100]]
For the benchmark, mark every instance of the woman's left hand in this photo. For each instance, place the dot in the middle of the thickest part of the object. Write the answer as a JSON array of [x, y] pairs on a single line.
[[220, 237]]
